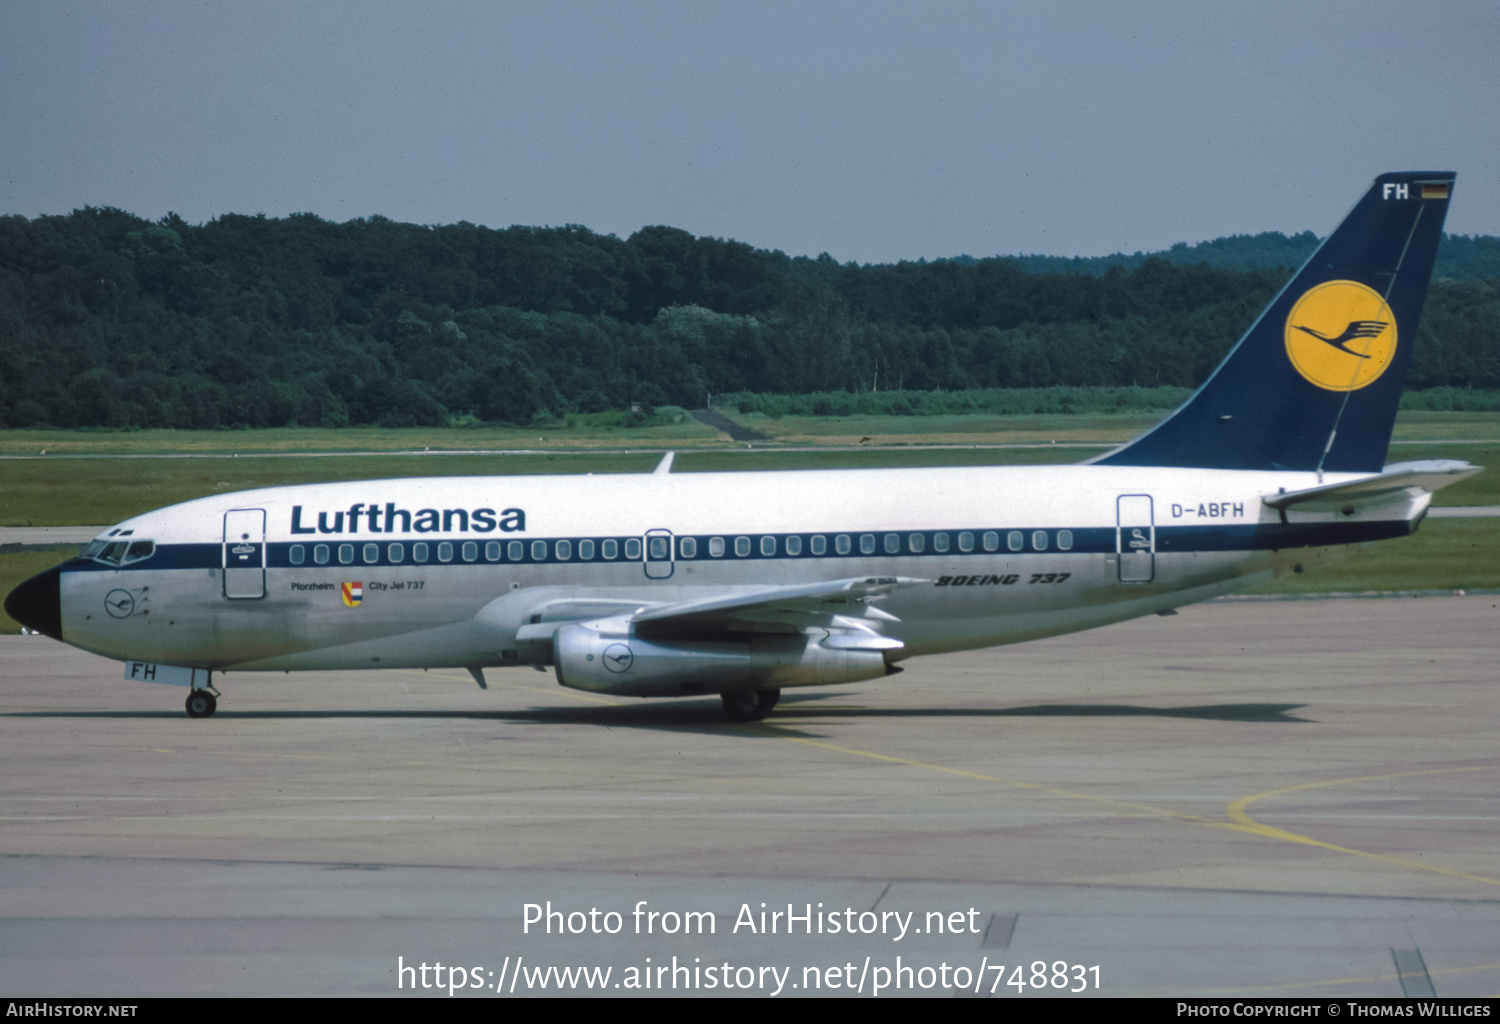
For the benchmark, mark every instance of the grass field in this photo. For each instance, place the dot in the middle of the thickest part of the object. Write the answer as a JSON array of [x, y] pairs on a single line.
[[586, 433], [1444, 554], [104, 477], [589, 432], [93, 491], [1093, 428]]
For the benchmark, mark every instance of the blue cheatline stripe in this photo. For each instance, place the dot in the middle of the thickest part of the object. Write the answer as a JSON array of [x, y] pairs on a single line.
[[767, 546]]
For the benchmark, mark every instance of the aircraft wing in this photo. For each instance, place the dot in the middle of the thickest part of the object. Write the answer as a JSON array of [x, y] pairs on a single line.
[[845, 606], [775, 608], [1398, 482]]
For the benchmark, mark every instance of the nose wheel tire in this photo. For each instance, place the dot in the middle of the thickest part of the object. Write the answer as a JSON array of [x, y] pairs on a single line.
[[201, 704], [750, 705]]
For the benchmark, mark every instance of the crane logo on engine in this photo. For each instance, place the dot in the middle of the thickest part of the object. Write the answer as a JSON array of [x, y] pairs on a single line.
[[617, 658]]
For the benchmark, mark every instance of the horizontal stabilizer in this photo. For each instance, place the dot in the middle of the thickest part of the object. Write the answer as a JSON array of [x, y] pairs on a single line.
[[1399, 481]]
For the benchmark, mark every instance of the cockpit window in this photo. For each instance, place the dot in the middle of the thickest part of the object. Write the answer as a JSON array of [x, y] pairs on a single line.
[[119, 552]]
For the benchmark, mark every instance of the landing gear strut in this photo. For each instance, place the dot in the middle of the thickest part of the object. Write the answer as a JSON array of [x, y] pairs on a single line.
[[750, 705]]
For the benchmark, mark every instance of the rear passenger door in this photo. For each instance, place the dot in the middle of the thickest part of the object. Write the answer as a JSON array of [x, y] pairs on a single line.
[[1135, 538]]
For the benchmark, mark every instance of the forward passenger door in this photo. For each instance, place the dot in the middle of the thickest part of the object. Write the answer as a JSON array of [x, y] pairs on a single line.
[[245, 553]]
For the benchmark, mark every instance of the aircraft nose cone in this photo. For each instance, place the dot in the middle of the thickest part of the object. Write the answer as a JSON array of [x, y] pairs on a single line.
[[37, 604]]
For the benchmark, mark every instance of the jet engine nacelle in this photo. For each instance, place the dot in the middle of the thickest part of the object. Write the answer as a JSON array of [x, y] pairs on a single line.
[[607, 661]]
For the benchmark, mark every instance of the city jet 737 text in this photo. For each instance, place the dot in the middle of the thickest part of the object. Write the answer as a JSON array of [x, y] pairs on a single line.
[[742, 584]]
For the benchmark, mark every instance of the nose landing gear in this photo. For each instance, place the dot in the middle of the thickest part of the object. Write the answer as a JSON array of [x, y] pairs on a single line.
[[201, 704], [202, 701]]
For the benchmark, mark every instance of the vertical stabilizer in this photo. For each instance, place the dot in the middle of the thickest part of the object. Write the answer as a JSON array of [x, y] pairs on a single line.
[[1315, 383]]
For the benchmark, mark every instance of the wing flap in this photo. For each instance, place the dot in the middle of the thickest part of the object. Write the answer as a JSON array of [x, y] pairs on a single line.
[[776, 604]]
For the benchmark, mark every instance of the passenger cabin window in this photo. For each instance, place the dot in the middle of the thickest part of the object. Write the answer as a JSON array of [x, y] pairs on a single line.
[[586, 550], [633, 549], [659, 549], [716, 547], [1065, 540], [1039, 539], [296, 554], [768, 546], [842, 544], [372, 553], [940, 542], [470, 550], [917, 542], [320, 554], [610, 549], [818, 545], [991, 540], [445, 552], [867, 543], [966, 541], [346, 554], [492, 551], [1014, 540], [688, 546], [563, 549], [538, 551], [794, 546], [742, 547], [396, 553], [892, 543], [419, 551], [515, 551]]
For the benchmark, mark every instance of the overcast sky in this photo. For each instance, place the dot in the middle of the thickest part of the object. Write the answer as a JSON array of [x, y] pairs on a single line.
[[873, 131]]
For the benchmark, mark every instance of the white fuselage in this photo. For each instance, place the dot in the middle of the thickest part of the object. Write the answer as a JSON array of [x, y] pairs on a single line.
[[447, 571]]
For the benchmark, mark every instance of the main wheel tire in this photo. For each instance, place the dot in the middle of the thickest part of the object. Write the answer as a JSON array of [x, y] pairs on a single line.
[[201, 704], [749, 705]]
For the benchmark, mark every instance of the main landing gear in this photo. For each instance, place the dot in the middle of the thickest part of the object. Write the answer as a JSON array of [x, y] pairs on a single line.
[[750, 705]]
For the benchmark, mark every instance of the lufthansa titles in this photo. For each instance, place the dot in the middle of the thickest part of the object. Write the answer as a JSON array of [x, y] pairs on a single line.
[[391, 519]]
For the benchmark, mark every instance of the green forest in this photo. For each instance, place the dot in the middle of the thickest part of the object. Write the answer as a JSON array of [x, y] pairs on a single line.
[[109, 320]]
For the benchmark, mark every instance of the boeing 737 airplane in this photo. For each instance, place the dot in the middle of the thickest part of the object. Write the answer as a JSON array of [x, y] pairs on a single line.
[[741, 584]]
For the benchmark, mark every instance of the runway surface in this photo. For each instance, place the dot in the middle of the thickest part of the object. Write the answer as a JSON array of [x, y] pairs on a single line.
[[1246, 799]]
